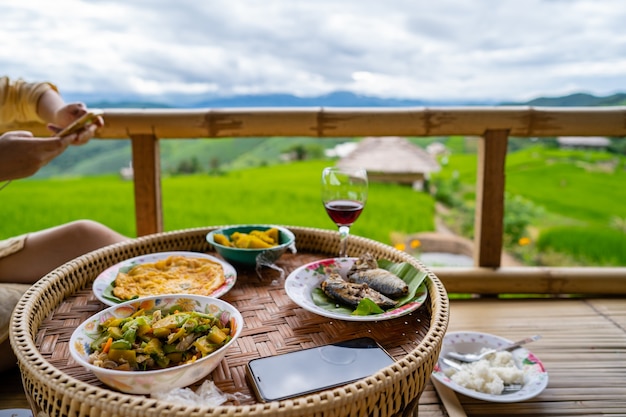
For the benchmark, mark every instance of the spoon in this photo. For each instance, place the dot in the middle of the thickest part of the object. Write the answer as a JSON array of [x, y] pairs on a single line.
[[473, 357]]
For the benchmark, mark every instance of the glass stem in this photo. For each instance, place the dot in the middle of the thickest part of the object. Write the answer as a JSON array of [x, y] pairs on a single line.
[[344, 231]]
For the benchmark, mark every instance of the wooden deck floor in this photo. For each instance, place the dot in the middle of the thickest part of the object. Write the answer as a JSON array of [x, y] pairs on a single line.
[[583, 348]]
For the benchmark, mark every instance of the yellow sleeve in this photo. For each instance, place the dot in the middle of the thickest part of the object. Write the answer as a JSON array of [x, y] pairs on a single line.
[[18, 100]]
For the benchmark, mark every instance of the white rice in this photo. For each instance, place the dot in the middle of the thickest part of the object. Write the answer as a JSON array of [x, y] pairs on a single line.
[[489, 375]]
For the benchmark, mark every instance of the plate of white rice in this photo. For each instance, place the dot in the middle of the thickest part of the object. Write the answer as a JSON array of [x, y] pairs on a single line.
[[489, 378]]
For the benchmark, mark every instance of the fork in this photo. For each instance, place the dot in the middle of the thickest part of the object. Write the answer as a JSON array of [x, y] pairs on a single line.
[[473, 357]]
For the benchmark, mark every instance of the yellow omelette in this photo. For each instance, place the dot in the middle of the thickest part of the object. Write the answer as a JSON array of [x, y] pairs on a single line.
[[173, 275]]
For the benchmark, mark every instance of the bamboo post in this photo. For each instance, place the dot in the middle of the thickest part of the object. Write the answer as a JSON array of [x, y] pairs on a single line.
[[489, 216], [147, 180]]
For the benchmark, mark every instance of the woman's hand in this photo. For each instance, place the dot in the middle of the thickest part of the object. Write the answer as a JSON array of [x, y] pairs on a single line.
[[22, 155], [67, 114]]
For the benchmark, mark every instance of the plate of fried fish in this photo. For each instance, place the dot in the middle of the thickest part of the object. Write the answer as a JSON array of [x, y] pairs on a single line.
[[177, 272], [357, 289]]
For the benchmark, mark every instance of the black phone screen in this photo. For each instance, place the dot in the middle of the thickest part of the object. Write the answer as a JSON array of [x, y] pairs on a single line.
[[315, 369]]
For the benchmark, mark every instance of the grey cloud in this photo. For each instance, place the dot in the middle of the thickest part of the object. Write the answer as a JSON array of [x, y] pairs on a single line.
[[410, 48]]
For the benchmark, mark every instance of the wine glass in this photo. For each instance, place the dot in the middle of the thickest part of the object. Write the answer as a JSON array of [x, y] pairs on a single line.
[[344, 193]]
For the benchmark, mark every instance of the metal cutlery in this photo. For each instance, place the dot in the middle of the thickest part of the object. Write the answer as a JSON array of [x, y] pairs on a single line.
[[473, 357]]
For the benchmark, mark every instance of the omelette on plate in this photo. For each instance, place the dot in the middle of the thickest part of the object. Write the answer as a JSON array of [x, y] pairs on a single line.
[[173, 275]]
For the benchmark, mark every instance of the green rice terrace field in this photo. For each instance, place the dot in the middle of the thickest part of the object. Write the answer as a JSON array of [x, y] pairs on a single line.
[[285, 194], [563, 207]]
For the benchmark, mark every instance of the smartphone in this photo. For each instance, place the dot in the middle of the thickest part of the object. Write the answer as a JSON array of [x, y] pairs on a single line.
[[298, 373], [80, 123]]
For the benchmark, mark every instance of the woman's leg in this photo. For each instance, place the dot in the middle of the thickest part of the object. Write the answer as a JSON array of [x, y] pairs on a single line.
[[44, 251], [48, 249], [10, 294]]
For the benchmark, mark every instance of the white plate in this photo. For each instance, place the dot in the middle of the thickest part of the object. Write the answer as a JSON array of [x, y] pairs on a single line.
[[535, 375], [301, 282], [106, 278]]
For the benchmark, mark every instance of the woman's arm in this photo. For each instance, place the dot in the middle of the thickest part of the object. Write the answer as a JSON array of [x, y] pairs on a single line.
[[49, 108], [22, 101]]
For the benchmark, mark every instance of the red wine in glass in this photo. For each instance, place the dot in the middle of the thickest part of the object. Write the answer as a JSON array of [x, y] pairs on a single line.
[[344, 193], [344, 212]]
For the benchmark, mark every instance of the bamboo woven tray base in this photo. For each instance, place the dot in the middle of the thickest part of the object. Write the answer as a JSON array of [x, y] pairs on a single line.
[[273, 324]]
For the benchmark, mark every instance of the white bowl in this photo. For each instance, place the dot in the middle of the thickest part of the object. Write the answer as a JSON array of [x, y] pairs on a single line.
[[146, 382]]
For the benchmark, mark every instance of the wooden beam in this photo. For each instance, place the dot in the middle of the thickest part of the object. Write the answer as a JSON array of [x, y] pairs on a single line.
[[490, 180], [533, 280], [520, 121], [147, 179]]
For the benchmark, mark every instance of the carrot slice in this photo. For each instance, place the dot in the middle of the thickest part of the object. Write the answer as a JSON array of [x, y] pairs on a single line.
[[107, 345]]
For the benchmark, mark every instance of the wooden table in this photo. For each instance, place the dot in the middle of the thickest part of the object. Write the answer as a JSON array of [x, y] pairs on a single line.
[[583, 347], [46, 317]]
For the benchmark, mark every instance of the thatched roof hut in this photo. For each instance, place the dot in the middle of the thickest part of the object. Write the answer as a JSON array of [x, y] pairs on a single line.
[[391, 159], [583, 142]]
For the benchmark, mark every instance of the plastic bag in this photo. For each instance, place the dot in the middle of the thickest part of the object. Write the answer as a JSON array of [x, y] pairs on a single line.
[[208, 395]]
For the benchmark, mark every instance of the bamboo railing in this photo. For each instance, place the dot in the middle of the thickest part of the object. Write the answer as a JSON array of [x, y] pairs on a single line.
[[493, 125]]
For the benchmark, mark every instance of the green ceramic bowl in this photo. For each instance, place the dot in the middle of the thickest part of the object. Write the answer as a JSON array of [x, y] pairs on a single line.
[[249, 256]]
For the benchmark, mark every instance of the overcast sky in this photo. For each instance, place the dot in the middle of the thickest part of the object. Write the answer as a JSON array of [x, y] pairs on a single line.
[[419, 49]]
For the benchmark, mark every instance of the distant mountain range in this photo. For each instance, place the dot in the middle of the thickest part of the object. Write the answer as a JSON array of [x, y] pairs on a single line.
[[101, 157], [335, 99], [579, 99]]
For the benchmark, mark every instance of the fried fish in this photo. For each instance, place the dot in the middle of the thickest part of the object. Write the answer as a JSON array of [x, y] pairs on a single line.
[[365, 270], [351, 294]]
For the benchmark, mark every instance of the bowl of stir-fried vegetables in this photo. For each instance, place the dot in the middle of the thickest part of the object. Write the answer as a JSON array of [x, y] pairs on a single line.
[[156, 343]]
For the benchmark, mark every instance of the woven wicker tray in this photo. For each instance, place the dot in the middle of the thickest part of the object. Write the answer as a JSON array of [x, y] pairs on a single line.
[[55, 385]]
